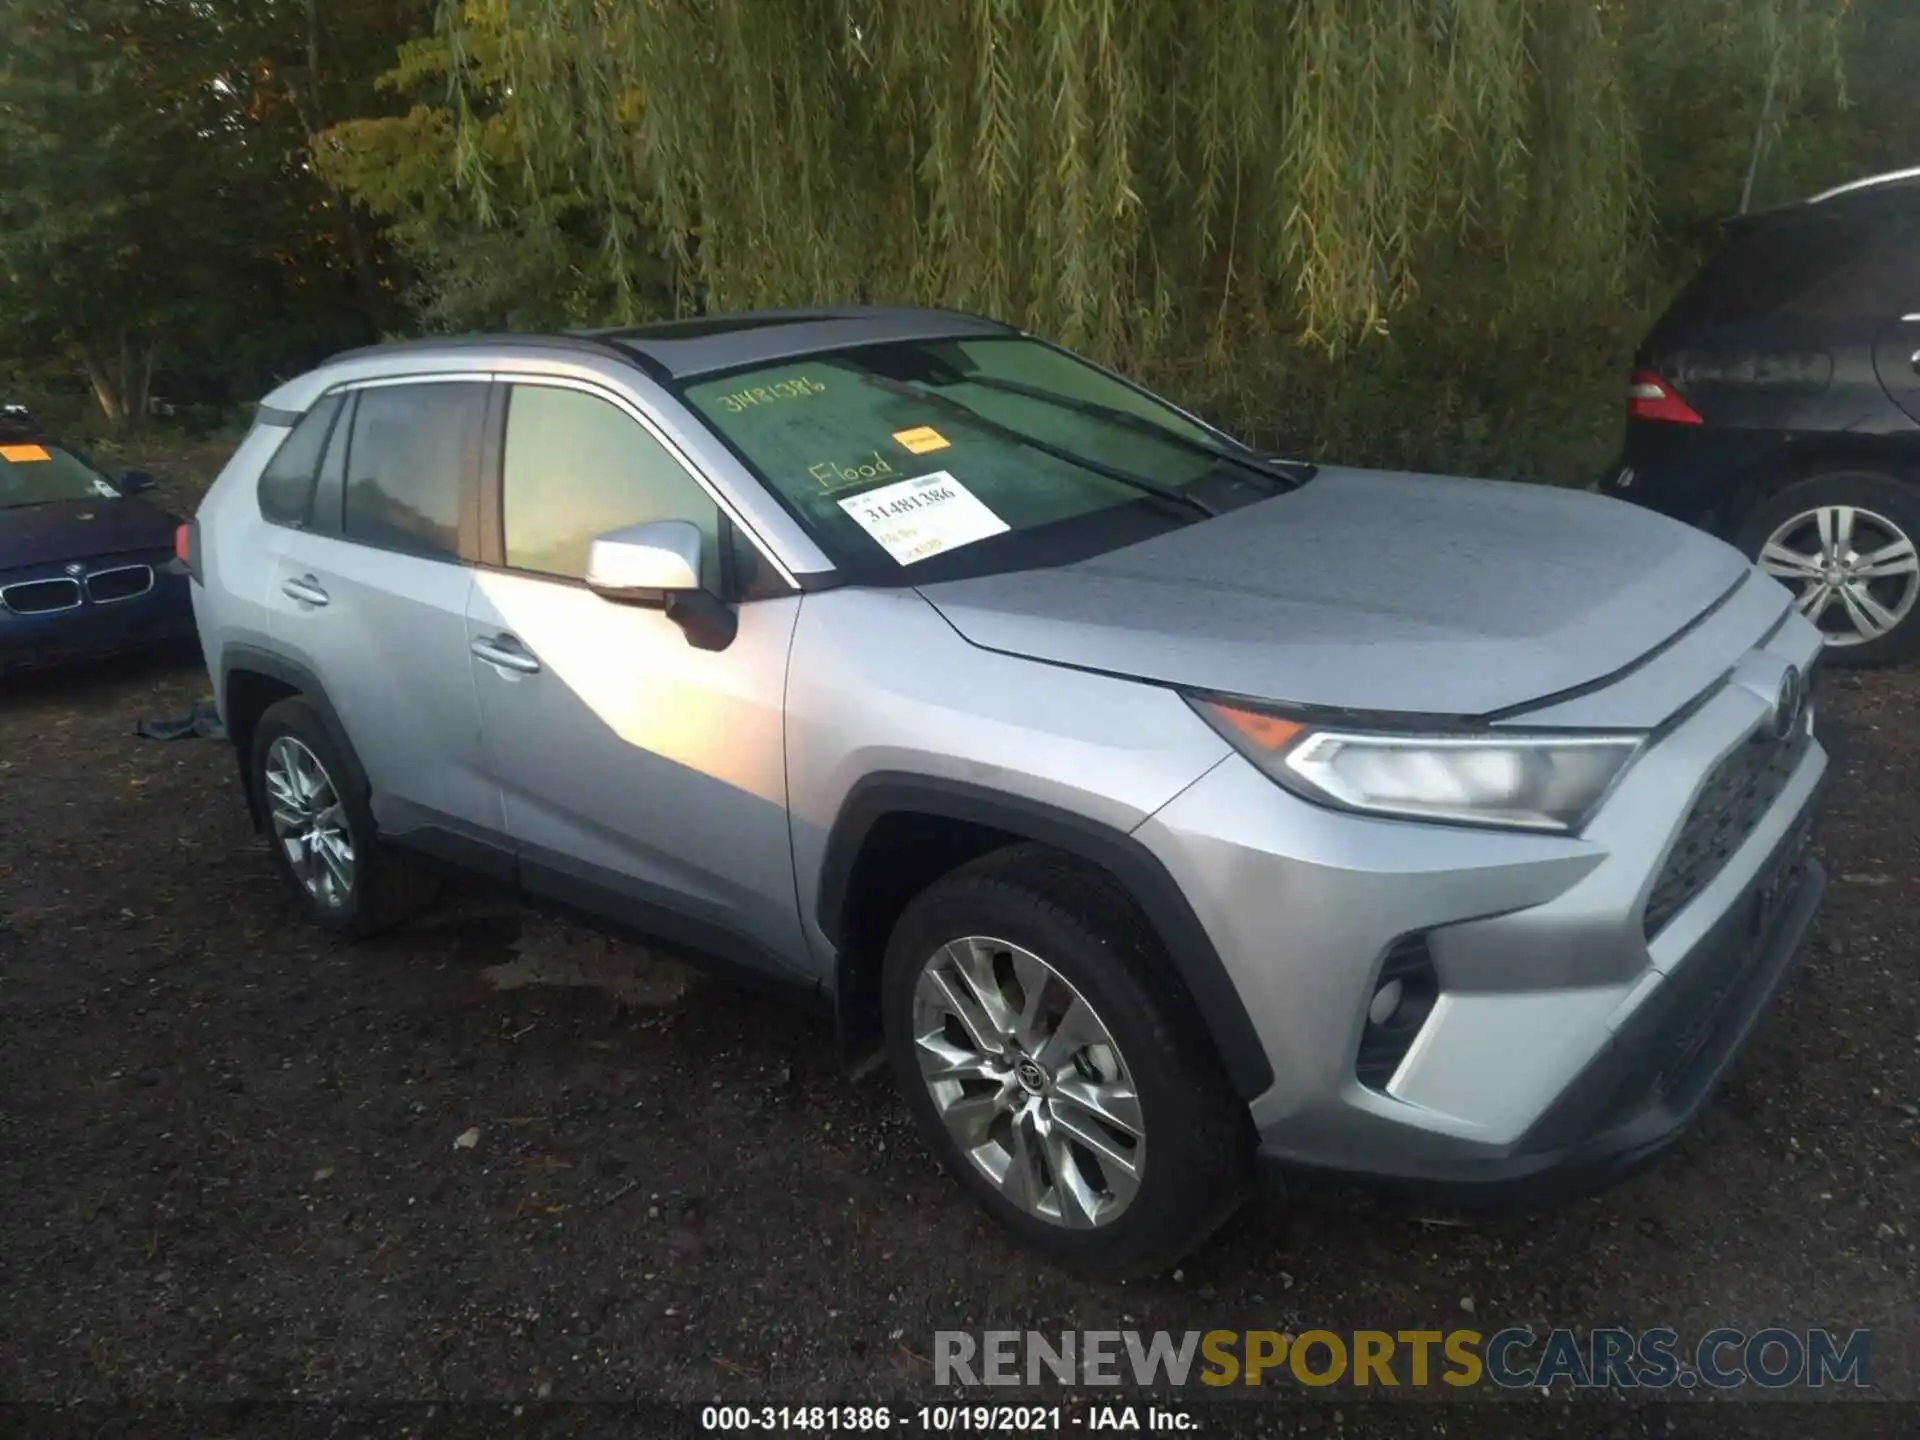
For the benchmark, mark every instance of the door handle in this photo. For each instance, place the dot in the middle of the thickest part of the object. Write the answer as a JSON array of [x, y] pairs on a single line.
[[305, 589], [506, 652]]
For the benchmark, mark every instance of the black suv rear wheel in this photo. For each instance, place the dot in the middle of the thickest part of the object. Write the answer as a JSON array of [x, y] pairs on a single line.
[[1844, 542]]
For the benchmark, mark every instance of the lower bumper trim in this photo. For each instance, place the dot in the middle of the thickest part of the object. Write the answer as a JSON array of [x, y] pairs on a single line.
[[1625, 1142]]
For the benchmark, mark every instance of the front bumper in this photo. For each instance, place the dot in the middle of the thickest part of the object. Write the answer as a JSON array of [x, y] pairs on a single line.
[[1566, 1045], [1637, 1096], [161, 616], [1698, 474]]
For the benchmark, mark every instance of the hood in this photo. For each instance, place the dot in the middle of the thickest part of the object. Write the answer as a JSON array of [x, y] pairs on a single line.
[[76, 529], [1370, 590]]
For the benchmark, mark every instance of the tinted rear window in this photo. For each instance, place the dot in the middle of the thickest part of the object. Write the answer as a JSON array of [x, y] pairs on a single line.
[[1803, 269], [412, 446]]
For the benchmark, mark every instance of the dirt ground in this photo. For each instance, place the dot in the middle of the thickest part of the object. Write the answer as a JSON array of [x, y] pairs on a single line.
[[232, 1163]]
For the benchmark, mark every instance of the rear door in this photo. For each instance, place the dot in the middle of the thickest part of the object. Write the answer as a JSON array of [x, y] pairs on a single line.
[[371, 596], [1897, 358], [1897, 307]]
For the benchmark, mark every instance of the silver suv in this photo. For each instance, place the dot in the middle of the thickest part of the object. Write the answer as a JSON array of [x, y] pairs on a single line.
[[1153, 804]]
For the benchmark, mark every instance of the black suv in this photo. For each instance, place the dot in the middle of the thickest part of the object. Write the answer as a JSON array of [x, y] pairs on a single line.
[[1777, 404]]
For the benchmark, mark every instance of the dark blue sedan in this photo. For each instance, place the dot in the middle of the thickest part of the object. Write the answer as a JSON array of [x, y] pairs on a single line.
[[85, 568]]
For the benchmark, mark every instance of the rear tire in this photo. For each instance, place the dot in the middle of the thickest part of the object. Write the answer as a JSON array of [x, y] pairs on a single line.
[[1843, 542], [1105, 1133], [313, 805]]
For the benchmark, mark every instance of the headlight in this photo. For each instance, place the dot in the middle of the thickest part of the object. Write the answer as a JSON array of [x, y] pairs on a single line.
[[1524, 782]]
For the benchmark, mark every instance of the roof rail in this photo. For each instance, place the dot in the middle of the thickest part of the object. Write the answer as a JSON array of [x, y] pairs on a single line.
[[549, 339], [1892, 177]]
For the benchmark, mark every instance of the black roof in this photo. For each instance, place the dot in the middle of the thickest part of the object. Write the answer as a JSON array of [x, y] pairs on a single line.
[[1894, 193], [703, 345]]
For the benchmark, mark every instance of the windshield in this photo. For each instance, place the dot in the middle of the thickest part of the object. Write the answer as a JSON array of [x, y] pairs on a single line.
[[36, 473], [931, 460]]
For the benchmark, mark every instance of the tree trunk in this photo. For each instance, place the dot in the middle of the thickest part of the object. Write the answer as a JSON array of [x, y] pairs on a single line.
[[353, 237], [106, 391], [140, 401], [310, 107], [1760, 131]]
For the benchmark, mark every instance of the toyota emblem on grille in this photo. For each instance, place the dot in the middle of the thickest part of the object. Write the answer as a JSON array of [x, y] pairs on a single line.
[[1792, 703]]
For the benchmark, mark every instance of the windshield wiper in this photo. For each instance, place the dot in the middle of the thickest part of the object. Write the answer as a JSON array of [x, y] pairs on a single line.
[[1033, 442], [1292, 473]]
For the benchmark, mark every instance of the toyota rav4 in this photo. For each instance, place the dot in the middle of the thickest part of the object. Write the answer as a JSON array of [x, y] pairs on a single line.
[[1154, 805]]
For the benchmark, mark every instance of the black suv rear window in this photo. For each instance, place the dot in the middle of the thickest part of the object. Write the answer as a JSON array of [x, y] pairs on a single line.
[[1812, 268]]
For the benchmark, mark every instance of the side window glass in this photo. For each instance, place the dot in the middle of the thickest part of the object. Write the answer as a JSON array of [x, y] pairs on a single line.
[[1877, 282], [286, 484], [410, 449], [577, 466]]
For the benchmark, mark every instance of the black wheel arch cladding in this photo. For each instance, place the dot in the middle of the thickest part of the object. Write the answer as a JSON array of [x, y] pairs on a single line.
[[1191, 950]]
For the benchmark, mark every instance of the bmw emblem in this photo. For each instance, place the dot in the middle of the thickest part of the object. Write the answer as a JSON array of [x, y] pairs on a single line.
[[1791, 704], [76, 569]]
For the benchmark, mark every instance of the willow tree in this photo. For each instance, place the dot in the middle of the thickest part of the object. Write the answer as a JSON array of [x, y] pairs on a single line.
[[1129, 175]]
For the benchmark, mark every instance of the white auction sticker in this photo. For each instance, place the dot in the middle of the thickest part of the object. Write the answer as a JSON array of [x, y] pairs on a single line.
[[922, 517]]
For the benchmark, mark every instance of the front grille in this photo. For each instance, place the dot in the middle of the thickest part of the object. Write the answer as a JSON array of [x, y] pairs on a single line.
[[1720, 994], [1737, 794], [123, 582], [38, 597]]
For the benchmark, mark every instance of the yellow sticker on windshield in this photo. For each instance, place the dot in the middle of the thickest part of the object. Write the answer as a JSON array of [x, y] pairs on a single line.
[[21, 454], [922, 439]]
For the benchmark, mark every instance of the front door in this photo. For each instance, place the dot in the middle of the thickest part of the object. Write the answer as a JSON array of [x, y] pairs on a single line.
[[642, 777]]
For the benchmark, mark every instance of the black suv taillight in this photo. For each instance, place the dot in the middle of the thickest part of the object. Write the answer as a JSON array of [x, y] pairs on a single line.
[[186, 547], [1651, 398], [1403, 996]]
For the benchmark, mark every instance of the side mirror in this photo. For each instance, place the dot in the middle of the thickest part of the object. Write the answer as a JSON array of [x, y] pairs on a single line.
[[133, 482], [658, 565]]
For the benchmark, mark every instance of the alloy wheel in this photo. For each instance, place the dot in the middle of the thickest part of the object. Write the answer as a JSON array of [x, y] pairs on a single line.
[[309, 822], [1854, 573], [1029, 1082]]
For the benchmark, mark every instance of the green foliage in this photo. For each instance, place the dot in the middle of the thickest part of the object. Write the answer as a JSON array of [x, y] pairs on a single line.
[[1422, 232], [105, 230], [1360, 228], [156, 208], [488, 253], [1134, 178]]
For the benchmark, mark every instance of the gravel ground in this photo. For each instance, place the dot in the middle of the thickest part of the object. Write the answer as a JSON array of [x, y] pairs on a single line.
[[496, 1157]]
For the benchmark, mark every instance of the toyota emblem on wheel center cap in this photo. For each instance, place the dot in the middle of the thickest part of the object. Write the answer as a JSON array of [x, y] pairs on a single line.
[[1791, 704]]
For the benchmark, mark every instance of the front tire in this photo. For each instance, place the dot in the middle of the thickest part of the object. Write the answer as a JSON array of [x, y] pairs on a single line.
[[313, 805], [1056, 1068], [1843, 542]]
